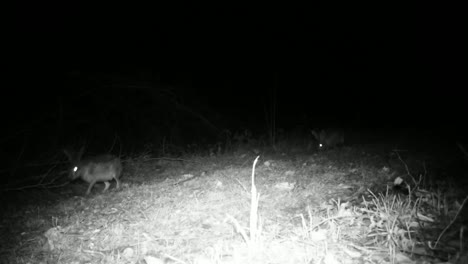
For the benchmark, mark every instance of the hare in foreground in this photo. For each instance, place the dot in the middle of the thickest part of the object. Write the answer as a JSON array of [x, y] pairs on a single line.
[[329, 138], [103, 168]]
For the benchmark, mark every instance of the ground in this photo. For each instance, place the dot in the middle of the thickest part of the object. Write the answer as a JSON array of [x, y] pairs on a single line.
[[335, 206]]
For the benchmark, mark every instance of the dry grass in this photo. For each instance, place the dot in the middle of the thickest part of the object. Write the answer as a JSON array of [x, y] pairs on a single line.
[[331, 207]]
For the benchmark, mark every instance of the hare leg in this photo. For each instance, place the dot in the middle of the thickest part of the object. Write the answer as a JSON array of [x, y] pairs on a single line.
[[107, 186], [91, 184], [118, 182]]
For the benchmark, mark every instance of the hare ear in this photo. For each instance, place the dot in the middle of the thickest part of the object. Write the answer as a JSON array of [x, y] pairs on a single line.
[[68, 154], [80, 153], [314, 133]]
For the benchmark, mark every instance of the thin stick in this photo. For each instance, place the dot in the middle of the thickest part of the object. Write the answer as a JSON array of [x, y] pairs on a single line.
[[451, 222], [254, 206], [407, 169]]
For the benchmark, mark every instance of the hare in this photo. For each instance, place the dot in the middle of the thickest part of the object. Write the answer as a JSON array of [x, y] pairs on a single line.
[[103, 168], [328, 138]]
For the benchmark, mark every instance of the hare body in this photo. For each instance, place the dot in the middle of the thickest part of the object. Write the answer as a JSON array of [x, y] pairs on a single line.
[[328, 138], [103, 168]]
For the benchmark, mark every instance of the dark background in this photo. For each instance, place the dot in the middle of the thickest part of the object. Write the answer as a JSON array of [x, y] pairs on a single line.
[[106, 75]]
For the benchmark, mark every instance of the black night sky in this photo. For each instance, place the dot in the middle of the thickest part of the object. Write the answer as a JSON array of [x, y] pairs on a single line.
[[78, 76]]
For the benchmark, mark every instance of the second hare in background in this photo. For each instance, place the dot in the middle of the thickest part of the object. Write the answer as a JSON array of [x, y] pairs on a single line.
[[328, 138], [103, 168]]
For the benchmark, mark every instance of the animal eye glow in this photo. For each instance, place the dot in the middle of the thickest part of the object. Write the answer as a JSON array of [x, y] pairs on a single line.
[[75, 169]]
